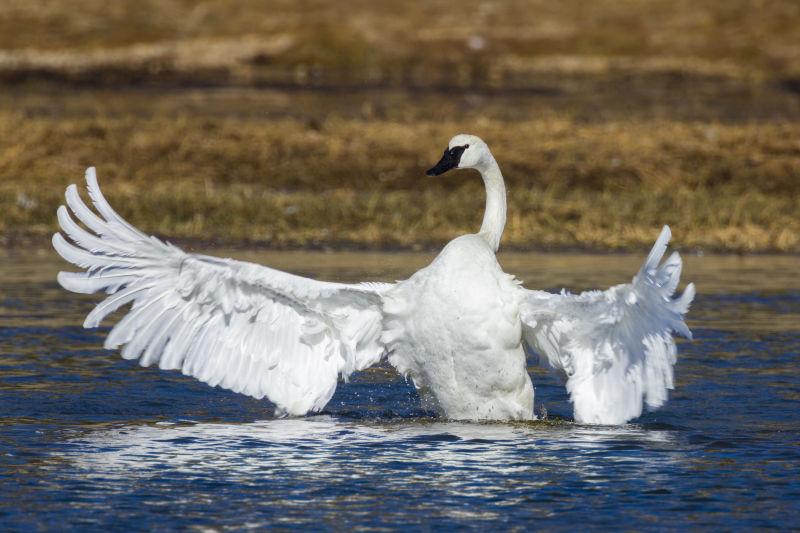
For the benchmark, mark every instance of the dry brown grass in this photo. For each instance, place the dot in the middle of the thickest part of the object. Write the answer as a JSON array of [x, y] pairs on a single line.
[[609, 118], [539, 218], [464, 43], [288, 183], [704, 27]]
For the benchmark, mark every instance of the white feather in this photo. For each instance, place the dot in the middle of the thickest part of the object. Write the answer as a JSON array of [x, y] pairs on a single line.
[[198, 313], [615, 348], [455, 327]]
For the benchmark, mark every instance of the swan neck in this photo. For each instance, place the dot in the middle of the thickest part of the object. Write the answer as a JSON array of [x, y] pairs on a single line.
[[494, 218]]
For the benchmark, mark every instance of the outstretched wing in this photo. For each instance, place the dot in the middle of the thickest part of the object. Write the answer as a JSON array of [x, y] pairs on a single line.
[[615, 347], [241, 326]]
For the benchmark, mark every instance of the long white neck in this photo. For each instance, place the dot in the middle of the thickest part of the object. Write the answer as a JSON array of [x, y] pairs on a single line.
[[494, 218]]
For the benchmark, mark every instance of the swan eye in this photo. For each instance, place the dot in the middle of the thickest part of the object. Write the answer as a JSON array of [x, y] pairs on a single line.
[[458, 150], [450, 159]]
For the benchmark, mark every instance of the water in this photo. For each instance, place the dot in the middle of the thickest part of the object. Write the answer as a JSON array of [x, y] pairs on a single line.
[[89, 441]]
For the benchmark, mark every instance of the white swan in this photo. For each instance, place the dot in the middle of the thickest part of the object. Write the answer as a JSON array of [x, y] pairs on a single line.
[[458, 327]]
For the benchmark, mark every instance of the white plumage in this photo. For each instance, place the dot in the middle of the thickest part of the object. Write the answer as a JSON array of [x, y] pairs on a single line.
[[614, 347], [244, 327], [457, 328]]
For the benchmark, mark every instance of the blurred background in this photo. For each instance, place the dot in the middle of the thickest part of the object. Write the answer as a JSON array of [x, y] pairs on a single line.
[[310, 124]]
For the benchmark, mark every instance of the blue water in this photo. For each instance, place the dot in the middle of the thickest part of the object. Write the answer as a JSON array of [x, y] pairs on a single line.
[[89, 441]]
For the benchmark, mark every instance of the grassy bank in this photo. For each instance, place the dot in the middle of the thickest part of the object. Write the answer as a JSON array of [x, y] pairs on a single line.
[[285, 124], [288, 183], [539, 218]]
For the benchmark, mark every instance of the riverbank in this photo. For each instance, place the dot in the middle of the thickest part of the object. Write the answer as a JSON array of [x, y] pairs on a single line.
[[302, 169], [276, 136]]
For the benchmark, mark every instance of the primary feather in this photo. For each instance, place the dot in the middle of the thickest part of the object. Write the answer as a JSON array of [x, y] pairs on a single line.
[[241, 326]]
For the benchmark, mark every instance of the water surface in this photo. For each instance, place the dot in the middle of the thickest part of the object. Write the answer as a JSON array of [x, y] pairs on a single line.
[[89, 441]]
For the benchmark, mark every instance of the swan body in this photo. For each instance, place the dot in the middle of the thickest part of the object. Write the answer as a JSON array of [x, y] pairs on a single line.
[[460, 328], [454, 328]]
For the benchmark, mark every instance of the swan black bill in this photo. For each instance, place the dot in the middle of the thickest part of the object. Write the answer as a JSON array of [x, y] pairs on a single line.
[[450, 159]]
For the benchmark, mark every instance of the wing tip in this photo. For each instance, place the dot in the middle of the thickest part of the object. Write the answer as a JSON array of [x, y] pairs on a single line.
[[682, 303], [688, 296], [63, 280], [691, 290], [73, 282], [59, 243], [91, 175], [658, 250], [61, 213], [91, 180], [93, 186]]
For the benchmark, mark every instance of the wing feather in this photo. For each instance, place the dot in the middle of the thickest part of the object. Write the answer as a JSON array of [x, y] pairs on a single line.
[[615, 347], [232, 324], [112, 303]]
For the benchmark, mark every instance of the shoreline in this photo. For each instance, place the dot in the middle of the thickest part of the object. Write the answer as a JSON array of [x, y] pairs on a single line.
[[37, 243]]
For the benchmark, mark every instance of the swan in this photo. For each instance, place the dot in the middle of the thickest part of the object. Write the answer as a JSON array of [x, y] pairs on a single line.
[[460, 328]]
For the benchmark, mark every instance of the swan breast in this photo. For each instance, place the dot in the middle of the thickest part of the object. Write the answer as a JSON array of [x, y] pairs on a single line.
[[454, 328]]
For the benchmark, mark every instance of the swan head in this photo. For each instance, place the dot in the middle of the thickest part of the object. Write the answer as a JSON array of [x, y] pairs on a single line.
[[463, 151]]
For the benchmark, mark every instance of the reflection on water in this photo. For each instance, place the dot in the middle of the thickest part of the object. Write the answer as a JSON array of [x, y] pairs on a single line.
[[472, 461], [88, 440], [317, 447]]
